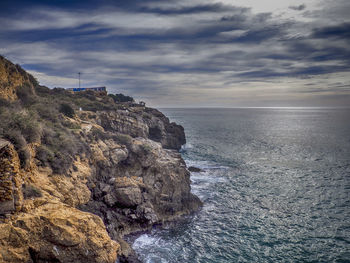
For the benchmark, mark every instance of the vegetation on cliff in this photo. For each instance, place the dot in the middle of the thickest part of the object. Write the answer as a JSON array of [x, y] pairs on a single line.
[[68, 160], [37, 115]]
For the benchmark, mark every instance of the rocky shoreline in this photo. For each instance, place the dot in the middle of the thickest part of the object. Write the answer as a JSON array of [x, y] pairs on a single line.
[[60, 205]]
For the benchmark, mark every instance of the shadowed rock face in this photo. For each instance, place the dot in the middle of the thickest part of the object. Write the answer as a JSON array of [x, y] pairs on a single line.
[[129, 177], [170, 135], [10, 179]]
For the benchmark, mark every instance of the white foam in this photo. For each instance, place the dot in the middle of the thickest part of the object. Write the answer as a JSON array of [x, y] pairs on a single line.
[[145, 245], [151, 259], [144, 241], [186, 146], [205, 165]]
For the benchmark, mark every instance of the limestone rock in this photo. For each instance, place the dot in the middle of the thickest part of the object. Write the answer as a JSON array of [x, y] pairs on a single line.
[[169, 134], [151, 186], [128, 176], [56, 233], [125, 192], [10, 179], [12, 77]]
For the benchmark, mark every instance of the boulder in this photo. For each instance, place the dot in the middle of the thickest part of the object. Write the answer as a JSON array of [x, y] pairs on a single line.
[[56, 233]]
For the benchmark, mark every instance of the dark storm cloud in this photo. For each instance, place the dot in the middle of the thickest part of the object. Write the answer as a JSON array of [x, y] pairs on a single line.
[[307, 51], [189, 9], [335, 31], [298, 7]]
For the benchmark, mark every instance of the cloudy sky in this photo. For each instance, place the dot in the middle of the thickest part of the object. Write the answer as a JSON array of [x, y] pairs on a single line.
[[216, 53]]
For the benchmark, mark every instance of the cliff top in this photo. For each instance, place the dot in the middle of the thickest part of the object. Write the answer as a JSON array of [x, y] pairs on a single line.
[[52, 118]]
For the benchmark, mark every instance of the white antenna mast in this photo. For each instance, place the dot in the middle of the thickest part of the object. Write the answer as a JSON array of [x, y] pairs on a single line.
[[79, 73]]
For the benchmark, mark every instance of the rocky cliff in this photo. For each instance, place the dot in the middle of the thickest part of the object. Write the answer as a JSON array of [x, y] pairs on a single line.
[[11, 78], [73, 183]]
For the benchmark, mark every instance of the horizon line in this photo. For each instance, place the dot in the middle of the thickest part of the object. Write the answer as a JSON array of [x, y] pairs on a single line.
[[257, 107]]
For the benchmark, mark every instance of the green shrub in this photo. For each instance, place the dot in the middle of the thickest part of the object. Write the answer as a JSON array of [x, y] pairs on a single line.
[[44, 155], [30, 191], [4, 103], [24, 157], [26, 95], [146, 115], [67, 110], [99, 134], [124, 139], [26, 124], [20, 144], [46, 111], [121, 98], [61, 162], [146, 148], [42, 90], [71, 125]]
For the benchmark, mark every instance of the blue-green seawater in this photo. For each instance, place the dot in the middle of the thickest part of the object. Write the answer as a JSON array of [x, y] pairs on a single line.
[[275, 187]]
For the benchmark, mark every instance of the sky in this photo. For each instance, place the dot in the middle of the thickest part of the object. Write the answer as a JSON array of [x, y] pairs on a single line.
[[194, 53]]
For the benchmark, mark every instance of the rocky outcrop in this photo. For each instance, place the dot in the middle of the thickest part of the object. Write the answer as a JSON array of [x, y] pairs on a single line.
[[149, 186], [195, 169], [36, 225], [10, 179], [141, 122], [169, 134], [129, 183], [54, 232], [11, 78], [127, 177]]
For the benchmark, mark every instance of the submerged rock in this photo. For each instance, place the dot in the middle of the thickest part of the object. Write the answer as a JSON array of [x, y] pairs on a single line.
[[195, 169]]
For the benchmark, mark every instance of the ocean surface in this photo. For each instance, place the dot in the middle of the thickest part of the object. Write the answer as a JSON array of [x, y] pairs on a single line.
[[275, 187]]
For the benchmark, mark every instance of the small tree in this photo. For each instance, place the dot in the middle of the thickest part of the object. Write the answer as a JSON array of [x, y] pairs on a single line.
[[121, 98], [67, 110]]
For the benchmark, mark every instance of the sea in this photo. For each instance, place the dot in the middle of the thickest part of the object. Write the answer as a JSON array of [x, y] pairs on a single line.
[[275, 186]]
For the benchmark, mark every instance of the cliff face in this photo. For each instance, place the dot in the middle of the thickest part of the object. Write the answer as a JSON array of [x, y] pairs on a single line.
[[72, 187], [12, 77], [144, 122]]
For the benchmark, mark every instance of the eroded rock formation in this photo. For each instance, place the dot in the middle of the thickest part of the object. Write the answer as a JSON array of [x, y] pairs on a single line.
[[127, 177]]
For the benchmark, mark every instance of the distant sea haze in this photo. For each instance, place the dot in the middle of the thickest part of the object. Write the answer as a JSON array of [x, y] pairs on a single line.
[[275, 186]]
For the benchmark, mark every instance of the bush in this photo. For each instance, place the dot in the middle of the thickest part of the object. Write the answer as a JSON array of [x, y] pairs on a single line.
[[146, 115], [4, 103], [121, 98], [71, 125], [67, 110], [61, 162], [42, 90], [59, 146], [24, 157], [18, 140], [99, 134], [146, 148], [123, 138], [44, 155], [30, 191], [26, 124], [48, 113], [26, 95]]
